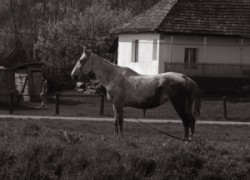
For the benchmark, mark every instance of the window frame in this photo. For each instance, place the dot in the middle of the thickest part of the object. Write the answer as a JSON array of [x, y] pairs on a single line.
[[191, 58], [135, 51], [154, 50]]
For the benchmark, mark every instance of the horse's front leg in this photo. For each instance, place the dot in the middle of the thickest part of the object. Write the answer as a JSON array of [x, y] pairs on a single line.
[[116, 120], [118, 112]]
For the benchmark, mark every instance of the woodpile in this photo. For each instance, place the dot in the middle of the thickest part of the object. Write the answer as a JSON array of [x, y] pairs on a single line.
[[91, 87]]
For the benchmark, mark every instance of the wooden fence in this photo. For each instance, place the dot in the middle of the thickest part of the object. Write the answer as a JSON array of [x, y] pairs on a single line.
[[11, 97]]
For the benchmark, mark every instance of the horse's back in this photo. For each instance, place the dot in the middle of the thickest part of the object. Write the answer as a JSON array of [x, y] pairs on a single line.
[[177, 77]]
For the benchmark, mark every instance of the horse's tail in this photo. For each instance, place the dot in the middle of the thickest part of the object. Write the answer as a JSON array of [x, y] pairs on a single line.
[[194, 98]]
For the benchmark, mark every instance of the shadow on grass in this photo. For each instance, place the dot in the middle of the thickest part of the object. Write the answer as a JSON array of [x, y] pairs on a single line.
[[65, 102], [35, 107], [31, 107]]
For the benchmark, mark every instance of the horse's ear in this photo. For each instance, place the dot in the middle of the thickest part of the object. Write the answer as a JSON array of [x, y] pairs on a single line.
[[84, 48], [88, 52]]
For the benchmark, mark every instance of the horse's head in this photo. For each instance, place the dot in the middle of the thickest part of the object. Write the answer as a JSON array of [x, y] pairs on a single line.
[[83, 65]]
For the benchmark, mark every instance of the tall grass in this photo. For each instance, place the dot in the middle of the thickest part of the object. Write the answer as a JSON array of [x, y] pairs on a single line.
[[30, 150]]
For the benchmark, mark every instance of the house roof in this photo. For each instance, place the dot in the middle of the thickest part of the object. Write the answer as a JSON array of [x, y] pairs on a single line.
[[211, 17], [148, 21], [30, 65], [17, 56]]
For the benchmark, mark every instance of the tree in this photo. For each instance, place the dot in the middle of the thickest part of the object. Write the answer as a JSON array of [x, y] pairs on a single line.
[[58, 28], [61, 42]]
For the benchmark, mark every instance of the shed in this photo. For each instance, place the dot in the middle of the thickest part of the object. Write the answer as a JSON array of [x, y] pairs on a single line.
[[28, 80]]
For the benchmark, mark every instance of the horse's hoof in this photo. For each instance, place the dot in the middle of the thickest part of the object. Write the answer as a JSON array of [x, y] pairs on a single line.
[[187, 140], [103, 139]]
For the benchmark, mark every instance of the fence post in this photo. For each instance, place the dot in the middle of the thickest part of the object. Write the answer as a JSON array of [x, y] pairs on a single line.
[[57, 103], [102, 105], [144, 113], [225, 106], [11, 102]]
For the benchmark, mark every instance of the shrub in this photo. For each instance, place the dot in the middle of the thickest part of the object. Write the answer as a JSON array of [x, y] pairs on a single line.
[[31, 129]]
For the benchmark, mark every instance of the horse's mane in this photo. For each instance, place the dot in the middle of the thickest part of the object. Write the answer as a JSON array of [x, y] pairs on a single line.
[[128, 71], [105, 60], [124, 70]]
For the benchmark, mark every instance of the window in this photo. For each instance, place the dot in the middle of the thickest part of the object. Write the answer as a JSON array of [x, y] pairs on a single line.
[[154, 54], [191, 58], [135, 51]]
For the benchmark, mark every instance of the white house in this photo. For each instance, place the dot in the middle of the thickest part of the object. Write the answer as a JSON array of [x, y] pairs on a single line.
[[202, 38]]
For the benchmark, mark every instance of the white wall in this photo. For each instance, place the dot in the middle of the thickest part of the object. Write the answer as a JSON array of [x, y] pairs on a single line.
[[210, 49], [221, 50], [145, 64], [246, 51], [173, 49]]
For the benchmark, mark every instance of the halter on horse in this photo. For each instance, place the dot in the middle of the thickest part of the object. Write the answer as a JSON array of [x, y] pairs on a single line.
[[126, 87]]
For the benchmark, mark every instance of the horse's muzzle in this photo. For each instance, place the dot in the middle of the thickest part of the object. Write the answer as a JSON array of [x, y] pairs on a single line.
[[75, 78]]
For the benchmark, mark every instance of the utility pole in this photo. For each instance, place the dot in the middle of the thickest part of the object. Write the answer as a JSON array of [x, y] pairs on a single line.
[[44, 9], [14, 21]]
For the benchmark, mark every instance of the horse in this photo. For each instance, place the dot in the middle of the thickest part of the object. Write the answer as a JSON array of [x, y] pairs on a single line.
[[125, 87]]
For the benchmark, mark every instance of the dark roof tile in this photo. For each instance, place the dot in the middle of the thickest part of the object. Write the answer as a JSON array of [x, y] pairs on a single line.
[[148, 21], [216, 17]]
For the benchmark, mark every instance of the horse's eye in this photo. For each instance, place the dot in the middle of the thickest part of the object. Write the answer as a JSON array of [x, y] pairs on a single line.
[[81, 61]]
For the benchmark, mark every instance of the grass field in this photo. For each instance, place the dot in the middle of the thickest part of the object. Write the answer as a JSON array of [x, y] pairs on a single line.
[[88, 150], [89, 106]]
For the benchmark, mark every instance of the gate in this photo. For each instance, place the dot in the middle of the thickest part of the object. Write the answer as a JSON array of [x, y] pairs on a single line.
[[7, 85]]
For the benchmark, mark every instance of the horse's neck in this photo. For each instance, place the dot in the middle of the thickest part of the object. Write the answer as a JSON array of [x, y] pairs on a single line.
[[103, 70]]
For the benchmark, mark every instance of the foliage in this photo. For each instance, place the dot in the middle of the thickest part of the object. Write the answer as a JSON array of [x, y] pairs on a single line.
[[54, 31], [60, 43], [33, 150], [58, 28]]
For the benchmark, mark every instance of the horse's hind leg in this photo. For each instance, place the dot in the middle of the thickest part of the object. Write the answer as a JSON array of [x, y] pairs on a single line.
[[192, 124], [116, 120], [188, 110], [179, 106]]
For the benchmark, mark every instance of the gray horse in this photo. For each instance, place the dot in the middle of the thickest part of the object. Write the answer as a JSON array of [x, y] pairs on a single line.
[[126, 87]]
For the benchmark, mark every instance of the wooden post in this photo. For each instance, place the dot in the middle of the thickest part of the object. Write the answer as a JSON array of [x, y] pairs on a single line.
[[11, 102], [57, 103], [225, 106], [102, 105], [144, 112], [170, 51]]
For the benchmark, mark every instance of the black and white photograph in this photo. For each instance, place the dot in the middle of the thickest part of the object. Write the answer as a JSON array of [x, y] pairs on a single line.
[[124, 89]]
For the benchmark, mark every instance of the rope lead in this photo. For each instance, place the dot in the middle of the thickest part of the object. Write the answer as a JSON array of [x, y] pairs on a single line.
[[158, 130]]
